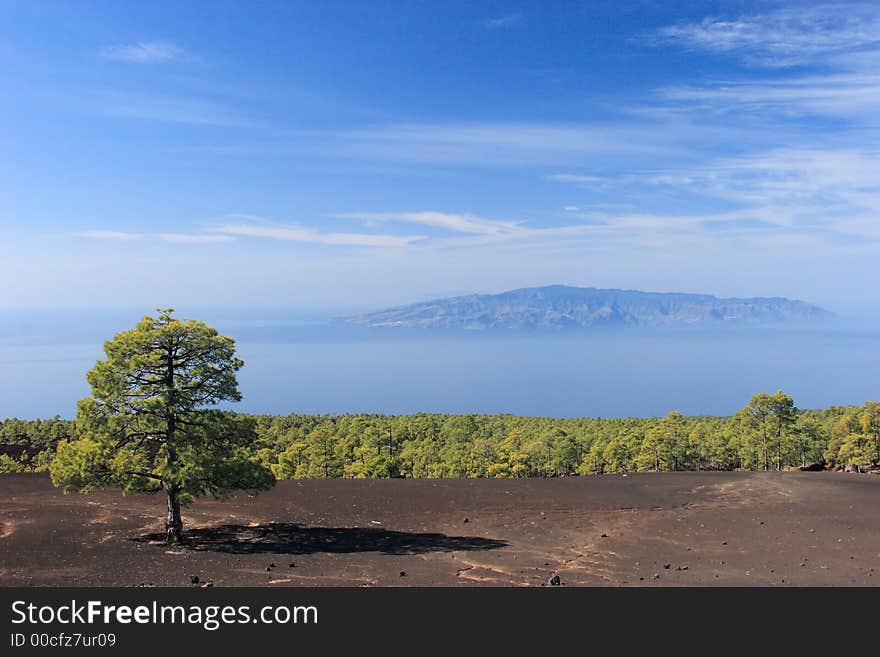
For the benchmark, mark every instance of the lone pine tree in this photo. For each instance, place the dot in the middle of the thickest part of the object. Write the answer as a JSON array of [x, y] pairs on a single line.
[[150, 426]]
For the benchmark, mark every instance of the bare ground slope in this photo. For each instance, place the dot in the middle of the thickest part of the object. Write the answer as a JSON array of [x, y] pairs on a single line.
[[650, 529]]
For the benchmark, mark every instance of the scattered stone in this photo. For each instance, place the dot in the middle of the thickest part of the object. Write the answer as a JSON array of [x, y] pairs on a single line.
[[803, 564], [723, 542], [194, 579], [272, 565], [682, 568], [291, 565], [467, 519], [667, 566], [268, 569], [656, 576], [208, 585], [604, 535], [403, 573], [554, 581]]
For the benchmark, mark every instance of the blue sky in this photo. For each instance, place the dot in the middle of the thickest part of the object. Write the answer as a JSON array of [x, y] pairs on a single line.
[[353, 155]]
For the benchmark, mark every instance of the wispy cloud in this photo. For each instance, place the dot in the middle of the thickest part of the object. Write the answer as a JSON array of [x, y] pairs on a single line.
[[288, 233], [804, 159], [836, 49], [144, 52], [251, 226], [844, 94], [834, 191], [577, 179], [110, 235], [179, 238], [508, 144], [738, 224], [169, 109], [194, 238], [460, 223], [595, 227], [504, 21], [785, 37]]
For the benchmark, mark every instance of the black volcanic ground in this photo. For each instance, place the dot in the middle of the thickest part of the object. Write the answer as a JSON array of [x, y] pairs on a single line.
[[648, 529]]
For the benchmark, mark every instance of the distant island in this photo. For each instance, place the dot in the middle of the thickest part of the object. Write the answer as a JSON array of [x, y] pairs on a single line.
[[562, 306]]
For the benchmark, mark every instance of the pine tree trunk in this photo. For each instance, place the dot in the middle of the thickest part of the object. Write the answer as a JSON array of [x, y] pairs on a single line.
[[765, 452], [173, 522]]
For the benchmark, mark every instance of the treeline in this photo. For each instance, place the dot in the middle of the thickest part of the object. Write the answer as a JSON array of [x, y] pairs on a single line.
[[769, 433], [29, 445]]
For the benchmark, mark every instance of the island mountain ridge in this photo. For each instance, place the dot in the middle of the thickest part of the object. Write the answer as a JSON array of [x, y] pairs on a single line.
[[562, 306]]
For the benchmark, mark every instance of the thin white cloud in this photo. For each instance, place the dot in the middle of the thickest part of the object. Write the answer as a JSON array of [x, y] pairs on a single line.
[[500, 144], [110, 235], [835, 191], [179, 238], [577, 179], [250, 226], [285, 233], [510, 144], [839, 43], [167, 109], [504, 21], [194, 238], [460, 223], [785, 37], [846, 94], [144, 52]]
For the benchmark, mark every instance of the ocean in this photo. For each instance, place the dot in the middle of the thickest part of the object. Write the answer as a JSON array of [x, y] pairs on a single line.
[[595, 374]]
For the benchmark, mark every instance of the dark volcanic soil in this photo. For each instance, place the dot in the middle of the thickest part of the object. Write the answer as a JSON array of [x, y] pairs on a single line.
[[648, 529]]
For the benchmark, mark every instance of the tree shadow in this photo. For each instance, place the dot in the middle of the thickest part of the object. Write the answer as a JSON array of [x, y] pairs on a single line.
[[292, 538]]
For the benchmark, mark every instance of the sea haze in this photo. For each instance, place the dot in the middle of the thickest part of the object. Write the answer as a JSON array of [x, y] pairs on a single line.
[[297, 366]]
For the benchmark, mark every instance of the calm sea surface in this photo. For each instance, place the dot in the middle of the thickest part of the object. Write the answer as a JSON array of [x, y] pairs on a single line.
[[633, 373]]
